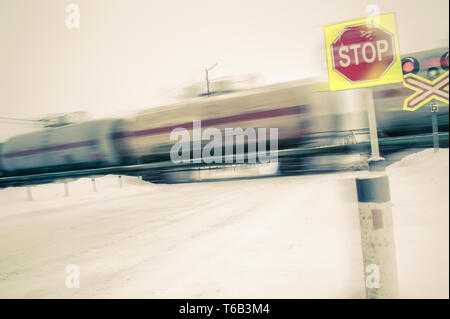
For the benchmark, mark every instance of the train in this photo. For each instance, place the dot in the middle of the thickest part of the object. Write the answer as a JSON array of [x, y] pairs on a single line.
[[304, 114]]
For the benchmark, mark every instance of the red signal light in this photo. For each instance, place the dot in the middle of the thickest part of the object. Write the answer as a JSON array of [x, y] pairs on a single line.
[[410, 65]]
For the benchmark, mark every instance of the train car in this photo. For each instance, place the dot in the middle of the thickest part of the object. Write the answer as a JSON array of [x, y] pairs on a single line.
[[392, 119], [303, 115], [74, 146], [282, 106]]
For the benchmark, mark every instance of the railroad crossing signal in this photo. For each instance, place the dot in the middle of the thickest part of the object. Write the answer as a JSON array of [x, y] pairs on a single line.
[[363, 53], [426, 90]]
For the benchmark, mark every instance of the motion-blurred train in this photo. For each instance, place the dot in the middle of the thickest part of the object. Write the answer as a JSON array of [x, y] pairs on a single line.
[[303, 114]]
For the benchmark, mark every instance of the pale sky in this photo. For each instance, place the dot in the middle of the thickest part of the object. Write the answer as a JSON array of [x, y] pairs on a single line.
[[131, 54]]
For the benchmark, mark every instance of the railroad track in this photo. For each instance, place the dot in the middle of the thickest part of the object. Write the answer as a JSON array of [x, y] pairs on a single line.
[[153, 171]]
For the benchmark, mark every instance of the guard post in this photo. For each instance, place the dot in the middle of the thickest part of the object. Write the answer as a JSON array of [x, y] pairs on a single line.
[[377, 237]]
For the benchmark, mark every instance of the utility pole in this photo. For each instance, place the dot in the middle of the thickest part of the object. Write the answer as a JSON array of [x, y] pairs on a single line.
[[207, 78]]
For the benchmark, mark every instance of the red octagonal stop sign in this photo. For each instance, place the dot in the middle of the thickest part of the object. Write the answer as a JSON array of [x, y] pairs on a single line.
[[363, 52]]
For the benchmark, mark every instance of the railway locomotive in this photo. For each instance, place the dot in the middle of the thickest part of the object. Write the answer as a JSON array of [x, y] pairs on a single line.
[[304, 115]]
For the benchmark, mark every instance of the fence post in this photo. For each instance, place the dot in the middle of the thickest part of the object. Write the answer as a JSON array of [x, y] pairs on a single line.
[[120, 181], [29, 194], [66, 189], [94, 186], [377, 237]]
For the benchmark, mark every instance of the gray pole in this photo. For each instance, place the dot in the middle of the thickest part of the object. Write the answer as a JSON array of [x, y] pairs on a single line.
[[434, 122], [376, 162]]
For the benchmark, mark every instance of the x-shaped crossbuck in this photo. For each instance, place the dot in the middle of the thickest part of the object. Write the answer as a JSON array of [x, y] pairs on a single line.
[[426, 90]]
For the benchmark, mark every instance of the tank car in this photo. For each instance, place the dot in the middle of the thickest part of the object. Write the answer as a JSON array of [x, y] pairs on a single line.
[[74, 146], [282, 106]]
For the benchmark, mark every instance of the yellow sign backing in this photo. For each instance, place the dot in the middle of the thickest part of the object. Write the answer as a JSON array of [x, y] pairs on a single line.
[[363, 53]]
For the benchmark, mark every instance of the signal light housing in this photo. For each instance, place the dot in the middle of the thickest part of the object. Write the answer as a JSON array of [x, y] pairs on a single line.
[[433, 73], [444, 61], [410, 65]]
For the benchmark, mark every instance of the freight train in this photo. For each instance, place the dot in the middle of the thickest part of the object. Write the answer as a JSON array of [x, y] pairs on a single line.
[[303, 114]]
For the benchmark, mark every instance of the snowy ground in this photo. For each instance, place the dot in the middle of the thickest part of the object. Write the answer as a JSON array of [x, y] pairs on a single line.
[[286, 237]]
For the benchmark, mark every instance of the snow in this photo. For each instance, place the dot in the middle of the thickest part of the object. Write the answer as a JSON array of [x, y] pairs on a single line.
[[279, 237]]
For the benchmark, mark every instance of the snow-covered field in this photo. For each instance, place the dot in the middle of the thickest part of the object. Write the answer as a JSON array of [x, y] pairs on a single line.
[[283, 237]]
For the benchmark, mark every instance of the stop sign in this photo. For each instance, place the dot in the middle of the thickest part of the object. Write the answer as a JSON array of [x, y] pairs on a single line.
[[363, 52]]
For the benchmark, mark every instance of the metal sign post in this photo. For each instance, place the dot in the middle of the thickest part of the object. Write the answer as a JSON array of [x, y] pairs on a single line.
[[434, 123], [376, 162]]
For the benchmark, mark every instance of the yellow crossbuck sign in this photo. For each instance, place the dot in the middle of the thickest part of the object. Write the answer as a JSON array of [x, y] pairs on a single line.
[[426, 90]]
